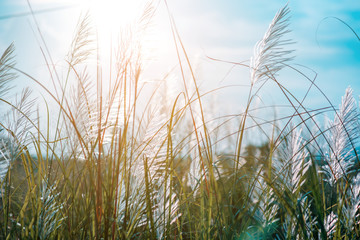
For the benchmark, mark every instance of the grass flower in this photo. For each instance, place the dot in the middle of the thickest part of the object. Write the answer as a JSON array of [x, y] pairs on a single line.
[[269, 53], [342, 136]]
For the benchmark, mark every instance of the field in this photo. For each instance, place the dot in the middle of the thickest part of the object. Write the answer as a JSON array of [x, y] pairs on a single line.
[[123, 160]]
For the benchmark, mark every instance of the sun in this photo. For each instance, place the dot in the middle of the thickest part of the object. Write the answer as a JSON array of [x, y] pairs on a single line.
[[113, 16]]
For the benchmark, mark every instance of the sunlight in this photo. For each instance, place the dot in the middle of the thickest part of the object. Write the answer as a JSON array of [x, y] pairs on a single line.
[[113, 15], [174, 126]]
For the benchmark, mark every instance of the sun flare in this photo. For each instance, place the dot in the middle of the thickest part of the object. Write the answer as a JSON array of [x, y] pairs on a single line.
[[114, 21], [112, 15]]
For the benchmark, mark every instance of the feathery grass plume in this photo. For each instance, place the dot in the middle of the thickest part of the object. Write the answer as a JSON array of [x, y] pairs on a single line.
[[330, 223], [147, 176], [6, 75], [155, 134], [291, 164], [134, 195], [166, 211], [19, 120], [343, 135], [136, 199], [80, 104], [6, 65], [195, 170], [306, 216], [301, 226], [264, 204], [81, 46], [50, 218], [17, 125], [151, 139], [268, 59], [143, 176], [82, 108], [5, 160], [83, 126], [269, 53], [351, 206]]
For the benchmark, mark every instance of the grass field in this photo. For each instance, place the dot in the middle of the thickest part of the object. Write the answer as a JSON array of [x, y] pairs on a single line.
[[125, 162]]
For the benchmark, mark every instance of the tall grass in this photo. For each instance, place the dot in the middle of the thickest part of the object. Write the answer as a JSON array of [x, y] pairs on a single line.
[[115, 166]]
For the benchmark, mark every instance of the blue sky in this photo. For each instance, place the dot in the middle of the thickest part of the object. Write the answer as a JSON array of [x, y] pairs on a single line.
[[226, 30]]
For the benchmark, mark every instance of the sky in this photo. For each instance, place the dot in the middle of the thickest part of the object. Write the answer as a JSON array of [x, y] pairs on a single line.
[[225, 30]]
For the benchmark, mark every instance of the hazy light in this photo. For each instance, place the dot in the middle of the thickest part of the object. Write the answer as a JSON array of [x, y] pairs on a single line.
[[112, 16]]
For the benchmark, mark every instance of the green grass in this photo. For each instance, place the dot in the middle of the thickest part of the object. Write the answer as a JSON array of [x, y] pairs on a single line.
[[112, 167]]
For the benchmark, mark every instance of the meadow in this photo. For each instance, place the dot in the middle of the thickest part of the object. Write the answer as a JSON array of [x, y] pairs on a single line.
[[125, 162]]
